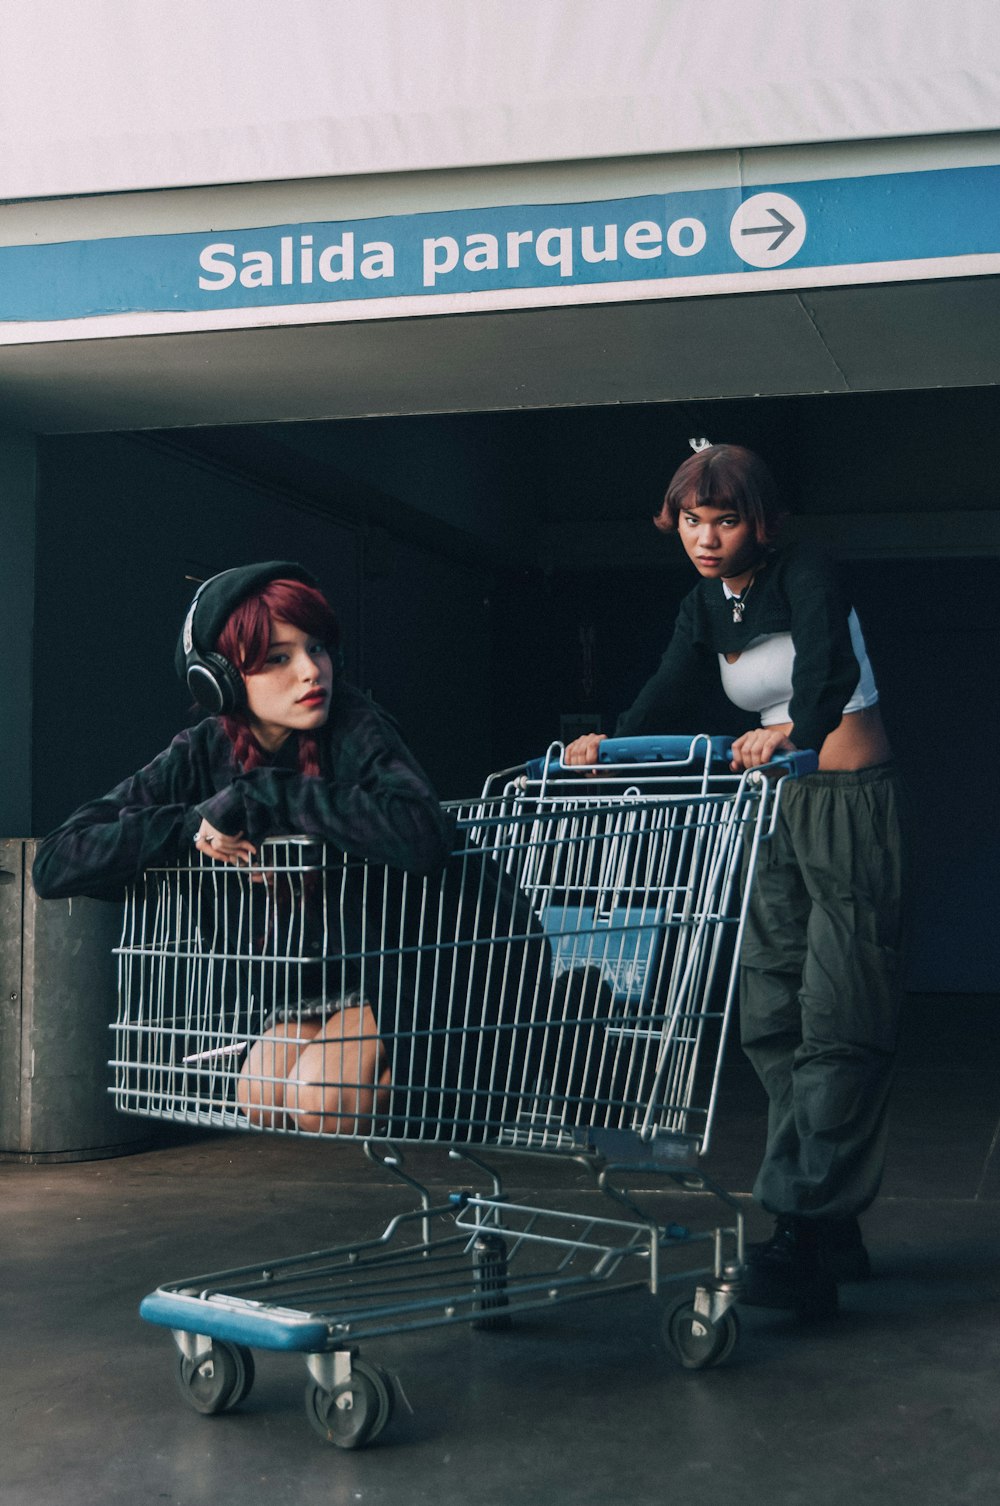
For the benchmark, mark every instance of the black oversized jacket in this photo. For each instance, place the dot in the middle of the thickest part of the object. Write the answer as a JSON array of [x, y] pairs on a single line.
[[372, 800]]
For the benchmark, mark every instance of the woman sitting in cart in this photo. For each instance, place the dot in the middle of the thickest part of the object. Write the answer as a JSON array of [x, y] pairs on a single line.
[[820, 963], [292, 748]]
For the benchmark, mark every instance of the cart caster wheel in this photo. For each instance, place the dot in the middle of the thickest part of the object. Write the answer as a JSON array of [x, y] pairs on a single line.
[[245, 1374], [696, 1342], [489, 1275], [219, 1380], [354, 1413]]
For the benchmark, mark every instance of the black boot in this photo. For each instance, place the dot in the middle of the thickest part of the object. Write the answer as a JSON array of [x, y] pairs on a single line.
[[841, 1250], [787, 1271]]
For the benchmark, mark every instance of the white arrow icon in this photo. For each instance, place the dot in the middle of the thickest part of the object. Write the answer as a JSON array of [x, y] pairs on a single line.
[[767, 230]]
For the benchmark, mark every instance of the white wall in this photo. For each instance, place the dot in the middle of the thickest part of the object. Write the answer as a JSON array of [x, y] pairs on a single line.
[[97, 96]]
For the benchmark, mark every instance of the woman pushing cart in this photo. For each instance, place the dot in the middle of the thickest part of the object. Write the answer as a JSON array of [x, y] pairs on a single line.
[[820, 962]]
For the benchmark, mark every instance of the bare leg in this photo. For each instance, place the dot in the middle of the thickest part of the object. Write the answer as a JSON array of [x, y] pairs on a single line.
[[261, 1088], [340, 1079]]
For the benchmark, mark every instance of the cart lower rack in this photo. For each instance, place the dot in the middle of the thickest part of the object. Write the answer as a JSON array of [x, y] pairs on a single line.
[[563, 987]]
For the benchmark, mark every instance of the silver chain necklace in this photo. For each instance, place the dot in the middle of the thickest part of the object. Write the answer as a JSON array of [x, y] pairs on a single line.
[[739, 602]]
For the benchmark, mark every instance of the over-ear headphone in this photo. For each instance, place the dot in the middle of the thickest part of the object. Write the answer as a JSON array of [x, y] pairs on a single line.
[[211, 679], [214, 682]]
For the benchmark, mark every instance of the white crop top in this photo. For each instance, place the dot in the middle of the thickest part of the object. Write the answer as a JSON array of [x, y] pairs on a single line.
[[761, 678]]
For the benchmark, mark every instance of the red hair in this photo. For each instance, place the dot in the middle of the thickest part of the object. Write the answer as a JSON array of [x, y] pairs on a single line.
[[245, 641]]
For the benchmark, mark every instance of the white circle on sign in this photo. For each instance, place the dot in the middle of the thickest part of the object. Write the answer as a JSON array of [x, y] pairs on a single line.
[[768, 229]]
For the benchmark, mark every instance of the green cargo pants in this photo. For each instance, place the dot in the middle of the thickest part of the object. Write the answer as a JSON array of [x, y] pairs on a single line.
[[820, 988]]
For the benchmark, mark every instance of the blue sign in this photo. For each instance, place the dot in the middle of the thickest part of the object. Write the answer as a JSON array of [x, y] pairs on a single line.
[[720, 233]]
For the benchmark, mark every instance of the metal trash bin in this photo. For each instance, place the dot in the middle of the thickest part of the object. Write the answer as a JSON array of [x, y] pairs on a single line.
[[58, 984]]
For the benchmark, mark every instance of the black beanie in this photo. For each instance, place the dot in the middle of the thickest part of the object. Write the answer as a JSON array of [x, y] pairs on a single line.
[[219, 597]]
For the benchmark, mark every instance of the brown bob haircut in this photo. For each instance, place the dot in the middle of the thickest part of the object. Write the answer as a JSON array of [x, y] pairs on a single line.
[[726, 476]]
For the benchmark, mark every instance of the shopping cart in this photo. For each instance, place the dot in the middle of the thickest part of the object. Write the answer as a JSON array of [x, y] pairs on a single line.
[[563, 987]]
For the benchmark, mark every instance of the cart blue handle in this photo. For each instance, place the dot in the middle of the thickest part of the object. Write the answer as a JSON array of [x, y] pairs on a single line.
[[675, 748], [679, 748]]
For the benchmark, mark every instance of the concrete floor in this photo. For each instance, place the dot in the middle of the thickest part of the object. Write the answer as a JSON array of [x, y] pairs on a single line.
[[893, 1401]]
